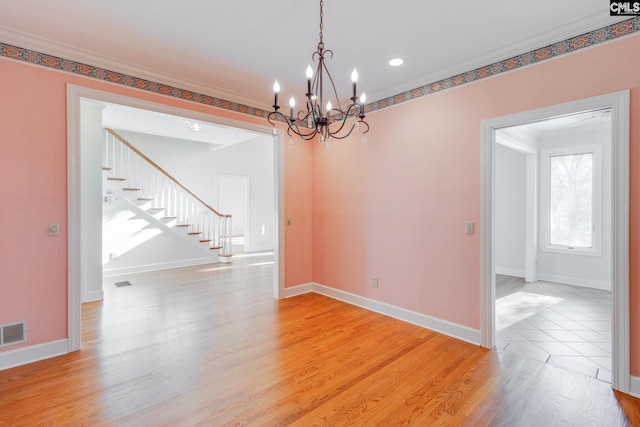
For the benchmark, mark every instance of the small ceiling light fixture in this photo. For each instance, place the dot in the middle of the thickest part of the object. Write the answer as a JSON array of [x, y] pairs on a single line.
[[196, 126], [396, 62], [324, 121]]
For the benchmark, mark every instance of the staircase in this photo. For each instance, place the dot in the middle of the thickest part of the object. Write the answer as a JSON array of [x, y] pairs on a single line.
[[152, 192]]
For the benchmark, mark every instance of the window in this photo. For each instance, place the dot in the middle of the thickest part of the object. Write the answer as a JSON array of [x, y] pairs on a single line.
[[571, 189]]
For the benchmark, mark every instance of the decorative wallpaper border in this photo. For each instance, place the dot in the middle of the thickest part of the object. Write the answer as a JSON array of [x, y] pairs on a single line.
[[592, 38]]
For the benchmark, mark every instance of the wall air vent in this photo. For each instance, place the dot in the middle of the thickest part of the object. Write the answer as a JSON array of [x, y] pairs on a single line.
[[13, 333]]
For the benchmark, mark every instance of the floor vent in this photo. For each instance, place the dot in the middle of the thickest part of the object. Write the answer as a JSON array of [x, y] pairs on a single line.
[[13, 333], [121, 284]]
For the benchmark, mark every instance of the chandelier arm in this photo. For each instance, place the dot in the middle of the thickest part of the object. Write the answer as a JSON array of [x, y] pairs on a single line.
[[343, 121], [292, 126], [323, 66], [362, 122], [276, 116], [316, 121]]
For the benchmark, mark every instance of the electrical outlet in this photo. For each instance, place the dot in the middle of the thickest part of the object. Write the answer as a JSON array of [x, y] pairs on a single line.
[[374, 282], [54, 229]]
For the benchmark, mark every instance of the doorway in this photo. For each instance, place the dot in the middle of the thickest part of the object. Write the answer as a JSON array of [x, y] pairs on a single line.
[[552, 241], [619, 105], [233, 193], [83, 262]]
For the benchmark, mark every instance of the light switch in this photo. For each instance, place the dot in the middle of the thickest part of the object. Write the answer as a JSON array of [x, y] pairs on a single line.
[[469, 227], [288, 220]]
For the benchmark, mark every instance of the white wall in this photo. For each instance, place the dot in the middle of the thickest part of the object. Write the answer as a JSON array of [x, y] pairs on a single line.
[[91, 135], [133, 242], [510, 211], [196, 164], [232, 199], [576, 269]]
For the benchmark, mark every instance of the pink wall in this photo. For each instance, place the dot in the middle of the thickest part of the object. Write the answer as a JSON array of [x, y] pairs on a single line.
[[33, 192], [298, 201], [396, 207]]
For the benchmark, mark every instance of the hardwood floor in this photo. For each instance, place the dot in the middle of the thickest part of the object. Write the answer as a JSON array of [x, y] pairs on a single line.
[[209, 346]]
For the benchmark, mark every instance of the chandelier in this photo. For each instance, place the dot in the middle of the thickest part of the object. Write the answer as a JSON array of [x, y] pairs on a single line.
[[319, 119]]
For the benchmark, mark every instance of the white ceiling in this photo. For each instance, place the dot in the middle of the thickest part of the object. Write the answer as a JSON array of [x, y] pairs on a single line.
[[235, 49], [587, 121], [133, 119]]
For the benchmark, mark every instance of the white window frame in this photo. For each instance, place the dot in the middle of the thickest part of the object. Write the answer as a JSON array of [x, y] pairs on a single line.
[[545, 156]]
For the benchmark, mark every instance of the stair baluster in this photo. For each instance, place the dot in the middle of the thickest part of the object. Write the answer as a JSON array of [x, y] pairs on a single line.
[[160, 190]]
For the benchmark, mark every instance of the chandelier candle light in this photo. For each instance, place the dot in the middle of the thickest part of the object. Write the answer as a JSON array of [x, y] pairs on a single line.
[[325, 123]]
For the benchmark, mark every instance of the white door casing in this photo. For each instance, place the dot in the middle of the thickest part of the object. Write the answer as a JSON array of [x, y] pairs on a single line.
[[619, 103]]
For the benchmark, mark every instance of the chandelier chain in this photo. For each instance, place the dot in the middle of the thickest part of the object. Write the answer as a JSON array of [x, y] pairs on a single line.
[[321, 16]]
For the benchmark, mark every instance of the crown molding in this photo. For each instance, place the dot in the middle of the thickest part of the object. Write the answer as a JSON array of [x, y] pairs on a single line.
[[509, 50], [57, 56], [64, 51]]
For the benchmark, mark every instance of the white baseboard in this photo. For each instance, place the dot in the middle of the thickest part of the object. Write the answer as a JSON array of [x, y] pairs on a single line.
[[298, 290], [463, 333], [93, 296], [510, 272], [107, 272], [634, 386], [263, 248], [575, 281], [35, 353]]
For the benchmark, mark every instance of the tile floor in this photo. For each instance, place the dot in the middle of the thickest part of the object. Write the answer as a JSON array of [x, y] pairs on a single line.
[[566, 326]]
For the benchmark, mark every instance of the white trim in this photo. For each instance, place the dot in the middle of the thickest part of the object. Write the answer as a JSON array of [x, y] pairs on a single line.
[[619, 103], [510, 272], [34, 353], [74, 218], [634, 389], [575, 281], [438, 325], [294, 291], [278, 255], [596, 203], [108, 272], [620, 237], [91, 296], [49, 47], [510, 49]]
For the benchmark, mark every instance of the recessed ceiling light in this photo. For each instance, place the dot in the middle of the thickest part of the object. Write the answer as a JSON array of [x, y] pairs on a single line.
[[396, 62]]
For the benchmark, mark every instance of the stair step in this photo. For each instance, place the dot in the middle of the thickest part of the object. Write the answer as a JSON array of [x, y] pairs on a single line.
[[169, 217], [205, 241], [155, 208], [215, 247], [130, 189], [183, 225], [113, 178], [145, 199], [194, 233], [106, 168]]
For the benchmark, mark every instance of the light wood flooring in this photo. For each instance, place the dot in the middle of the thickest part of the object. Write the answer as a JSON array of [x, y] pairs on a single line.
[[209, 346]]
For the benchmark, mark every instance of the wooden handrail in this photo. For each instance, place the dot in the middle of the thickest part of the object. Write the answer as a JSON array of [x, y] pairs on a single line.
[[155, 165]]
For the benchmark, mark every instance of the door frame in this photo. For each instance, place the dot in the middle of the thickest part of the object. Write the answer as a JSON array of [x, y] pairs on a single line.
[[619, 104], [78, 191]]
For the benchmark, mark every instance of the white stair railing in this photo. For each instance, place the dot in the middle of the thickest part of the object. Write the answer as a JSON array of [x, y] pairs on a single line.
[[151, 183]]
